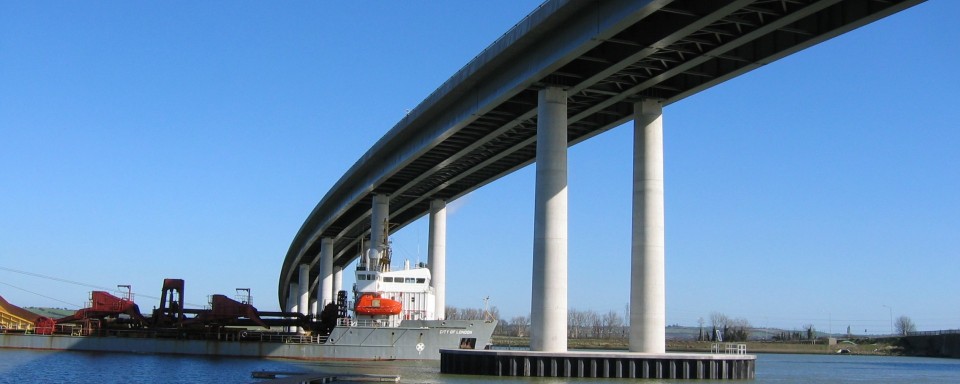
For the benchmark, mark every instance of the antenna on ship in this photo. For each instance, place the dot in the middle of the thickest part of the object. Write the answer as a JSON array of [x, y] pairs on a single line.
[[486, 309]]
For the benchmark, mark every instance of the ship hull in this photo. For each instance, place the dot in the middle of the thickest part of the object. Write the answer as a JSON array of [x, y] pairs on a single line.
[[412, 340]]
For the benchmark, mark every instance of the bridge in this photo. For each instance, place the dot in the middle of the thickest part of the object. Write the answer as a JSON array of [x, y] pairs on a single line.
[[568, 71]]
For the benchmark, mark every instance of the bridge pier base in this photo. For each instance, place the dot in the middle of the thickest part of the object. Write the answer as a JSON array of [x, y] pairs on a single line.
[[612, 365]]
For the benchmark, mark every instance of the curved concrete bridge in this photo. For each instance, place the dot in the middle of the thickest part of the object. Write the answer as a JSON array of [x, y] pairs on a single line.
[[568, 71]]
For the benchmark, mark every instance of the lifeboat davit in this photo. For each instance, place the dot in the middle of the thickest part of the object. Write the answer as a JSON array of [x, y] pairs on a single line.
[[372, 304]]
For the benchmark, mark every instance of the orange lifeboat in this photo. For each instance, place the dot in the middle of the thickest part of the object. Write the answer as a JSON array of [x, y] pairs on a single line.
[[372, 304]]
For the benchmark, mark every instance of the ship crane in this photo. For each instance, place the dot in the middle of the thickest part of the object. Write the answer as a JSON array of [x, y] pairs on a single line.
[[103, 305]]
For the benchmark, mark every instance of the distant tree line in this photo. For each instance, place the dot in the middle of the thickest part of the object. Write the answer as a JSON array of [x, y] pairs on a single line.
[[581, 324], [589, 324], [809, 332], [454, 313], [725, 328]]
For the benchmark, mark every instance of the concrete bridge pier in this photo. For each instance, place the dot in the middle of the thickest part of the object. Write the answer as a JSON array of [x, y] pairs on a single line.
[[304, 290], [337, 280], [437, 256], [378, 227], [548, 312], [292, 301], [291, 297], [647, 294], [326, 272]]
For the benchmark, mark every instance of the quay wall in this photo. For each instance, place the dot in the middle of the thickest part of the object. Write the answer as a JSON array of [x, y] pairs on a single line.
[[947, 345], [584, 364]]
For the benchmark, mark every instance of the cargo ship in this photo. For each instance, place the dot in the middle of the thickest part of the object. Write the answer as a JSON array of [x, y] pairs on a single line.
[[391, 317]]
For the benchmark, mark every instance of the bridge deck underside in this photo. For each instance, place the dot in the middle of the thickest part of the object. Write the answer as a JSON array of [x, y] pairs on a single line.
[[667, 53]]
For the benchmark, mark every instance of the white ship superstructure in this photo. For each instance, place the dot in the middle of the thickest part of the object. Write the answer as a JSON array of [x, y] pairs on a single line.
[[409, 286]]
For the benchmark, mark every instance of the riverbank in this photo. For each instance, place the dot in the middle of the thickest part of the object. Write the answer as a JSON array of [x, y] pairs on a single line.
[[860, 347]]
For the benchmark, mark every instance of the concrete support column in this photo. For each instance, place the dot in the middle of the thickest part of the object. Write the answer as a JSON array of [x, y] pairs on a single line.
[[337, 281], [314, 302], [326, 272], [647, 293], [378, 228], [304, 293], [292, 297], [293, 302], [548, 312], [437, 254]]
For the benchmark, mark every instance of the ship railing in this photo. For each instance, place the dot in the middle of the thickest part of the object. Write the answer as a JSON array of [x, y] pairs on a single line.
[[14, 323], [414, 314], [377, 323], [25, 327], [289, 339], [80, 330], [729, 348], [30, 328]]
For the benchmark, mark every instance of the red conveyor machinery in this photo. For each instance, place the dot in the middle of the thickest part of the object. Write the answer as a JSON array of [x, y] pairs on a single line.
[[103, 304]]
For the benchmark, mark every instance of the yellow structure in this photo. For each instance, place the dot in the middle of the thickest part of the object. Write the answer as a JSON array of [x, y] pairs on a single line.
[[13, 317]]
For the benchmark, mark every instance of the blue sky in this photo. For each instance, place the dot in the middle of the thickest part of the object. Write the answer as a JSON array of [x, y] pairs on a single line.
[[141, 141]]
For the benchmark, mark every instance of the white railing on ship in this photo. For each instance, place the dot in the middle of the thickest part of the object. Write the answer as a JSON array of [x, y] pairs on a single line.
[[287, 339], [729, 348], [345, 322]]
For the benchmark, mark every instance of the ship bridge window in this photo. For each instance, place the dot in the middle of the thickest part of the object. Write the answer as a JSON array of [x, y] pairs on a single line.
[[410, 280], [421, 280], [387, 279]]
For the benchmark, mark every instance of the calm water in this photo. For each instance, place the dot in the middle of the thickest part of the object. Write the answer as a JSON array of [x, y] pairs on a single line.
[[18, 366]]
